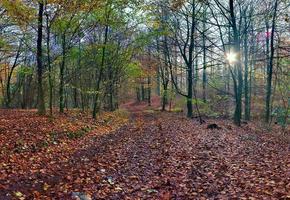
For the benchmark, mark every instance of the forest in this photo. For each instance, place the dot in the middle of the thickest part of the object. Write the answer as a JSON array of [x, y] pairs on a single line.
[[144, 99]]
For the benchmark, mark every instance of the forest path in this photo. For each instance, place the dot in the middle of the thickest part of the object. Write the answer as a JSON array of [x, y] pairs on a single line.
[[162, 156]]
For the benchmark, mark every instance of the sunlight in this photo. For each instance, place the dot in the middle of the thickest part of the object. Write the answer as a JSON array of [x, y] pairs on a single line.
[[231, 57]]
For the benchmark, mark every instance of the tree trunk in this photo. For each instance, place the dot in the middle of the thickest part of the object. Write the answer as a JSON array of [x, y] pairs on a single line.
[[99, 78], [40, 93], [8, 92], [50, 84], [246, 86], [190, 65], [164, 96], [204, 57], [149, 91], [270, 68], [189, 91], [61, 76], [158, 82], [238, 68], [138, 94]]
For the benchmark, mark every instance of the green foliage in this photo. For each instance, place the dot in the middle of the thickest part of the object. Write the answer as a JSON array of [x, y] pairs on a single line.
[[204, 107], [3, 43], [281, 115], [198, 102], [18, 11], [74, 54], [216, 82], [24, 70], [69, 23], [171, 93], [134, 70]]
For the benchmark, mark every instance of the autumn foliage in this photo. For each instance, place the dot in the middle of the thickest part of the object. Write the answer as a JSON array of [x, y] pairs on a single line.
[[153, 156]]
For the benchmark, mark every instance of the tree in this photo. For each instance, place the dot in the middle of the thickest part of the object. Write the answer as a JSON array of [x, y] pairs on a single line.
[[39, 57], [270, 66]]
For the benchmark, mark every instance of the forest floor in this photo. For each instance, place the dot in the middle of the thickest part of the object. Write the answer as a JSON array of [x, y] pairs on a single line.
[[144, 154]]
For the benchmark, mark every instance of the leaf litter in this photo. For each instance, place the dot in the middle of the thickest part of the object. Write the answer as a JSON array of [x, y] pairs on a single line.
[[152, 155]]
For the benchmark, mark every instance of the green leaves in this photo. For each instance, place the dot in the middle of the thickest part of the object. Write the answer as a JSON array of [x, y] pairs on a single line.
[[134, 70], [3, 43], [281, 115], [24, 70]]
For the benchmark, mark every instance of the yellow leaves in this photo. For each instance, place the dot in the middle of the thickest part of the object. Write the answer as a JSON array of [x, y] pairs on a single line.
[[155, 24], [133, 177], [19, 12], [45, 187], [19, 195], [177, 4], [75, 5], [3, 165]]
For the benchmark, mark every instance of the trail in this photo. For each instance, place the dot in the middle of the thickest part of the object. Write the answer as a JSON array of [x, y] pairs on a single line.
[[166, 156]]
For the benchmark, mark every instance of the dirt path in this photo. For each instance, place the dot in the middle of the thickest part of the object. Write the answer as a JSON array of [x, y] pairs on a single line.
[[164, 156]]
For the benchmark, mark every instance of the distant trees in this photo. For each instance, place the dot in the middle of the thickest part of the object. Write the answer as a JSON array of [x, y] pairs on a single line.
[[74, 33], [205, 34], [213, 58]]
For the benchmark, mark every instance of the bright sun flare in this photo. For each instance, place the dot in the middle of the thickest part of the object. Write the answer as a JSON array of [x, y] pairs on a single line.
[[231, 57]]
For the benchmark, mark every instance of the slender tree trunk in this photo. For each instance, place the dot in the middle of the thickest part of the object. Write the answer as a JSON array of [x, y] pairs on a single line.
[[61, 76], [50, 84], [99, 78], [196, 76], [238, 68], [266, 69], [270, 68], [138, 94], [75, 98], [40, 92], [204, 57], [149, 90], [252, 70], [189, 91], [78, 78], [142, 91], [8, 92], [190, 65], [112, 107], [158, 76], [158, 81], [246, 85], [165, 95]]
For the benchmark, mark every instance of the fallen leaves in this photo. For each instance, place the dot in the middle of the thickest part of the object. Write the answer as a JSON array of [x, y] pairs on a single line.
[[45, 186], [156, 156]]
